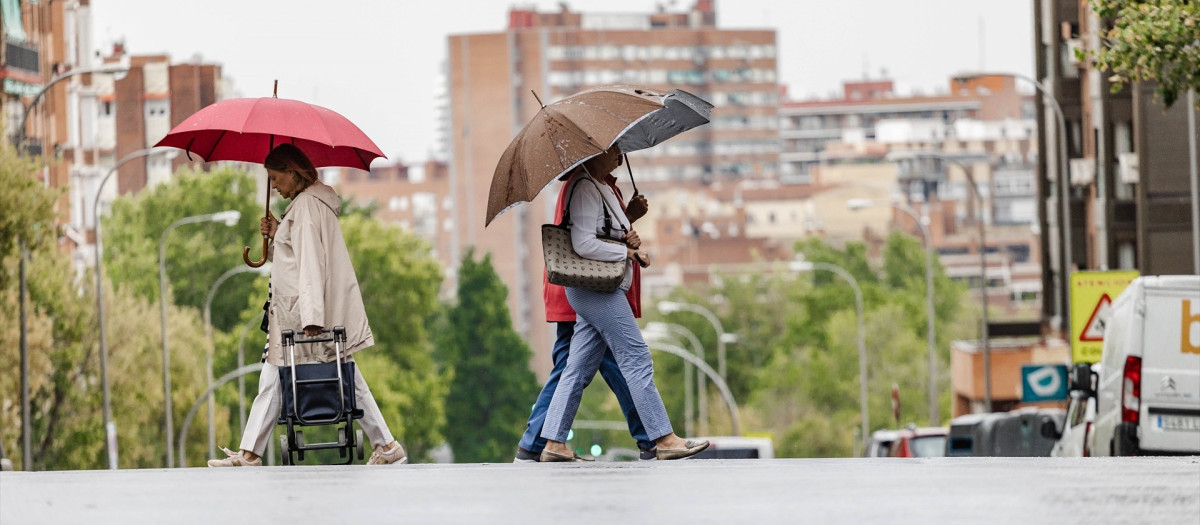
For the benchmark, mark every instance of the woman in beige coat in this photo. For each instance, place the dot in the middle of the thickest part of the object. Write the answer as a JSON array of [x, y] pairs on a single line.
[[313, 287]]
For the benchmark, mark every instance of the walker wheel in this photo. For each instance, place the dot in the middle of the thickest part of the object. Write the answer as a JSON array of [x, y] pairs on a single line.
[[283, 449], [358, 440]]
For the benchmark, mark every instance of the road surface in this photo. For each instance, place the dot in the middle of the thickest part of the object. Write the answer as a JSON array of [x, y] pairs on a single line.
[[944, 490]]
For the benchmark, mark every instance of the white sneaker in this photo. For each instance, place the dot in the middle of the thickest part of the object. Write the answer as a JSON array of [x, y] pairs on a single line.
[[395, 455], [235, 459]]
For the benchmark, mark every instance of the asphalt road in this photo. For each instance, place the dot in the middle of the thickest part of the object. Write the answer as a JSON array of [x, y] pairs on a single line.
[[971, 490]]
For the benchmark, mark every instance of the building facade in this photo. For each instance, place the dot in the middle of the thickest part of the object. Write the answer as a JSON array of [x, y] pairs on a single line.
[[1128, 197]]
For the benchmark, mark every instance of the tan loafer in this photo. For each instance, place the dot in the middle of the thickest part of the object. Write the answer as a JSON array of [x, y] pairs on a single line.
[[690, 448], [554, 457]]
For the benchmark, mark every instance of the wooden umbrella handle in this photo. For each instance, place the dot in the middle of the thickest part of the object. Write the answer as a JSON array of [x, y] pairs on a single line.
[[255, 264], [246, 250]]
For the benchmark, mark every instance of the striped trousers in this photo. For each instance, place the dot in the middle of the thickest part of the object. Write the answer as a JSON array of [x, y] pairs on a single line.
[[605, 318]]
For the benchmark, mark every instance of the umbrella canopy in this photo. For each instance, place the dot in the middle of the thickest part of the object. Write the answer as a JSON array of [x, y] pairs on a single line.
[[247, 129], [564, 134]]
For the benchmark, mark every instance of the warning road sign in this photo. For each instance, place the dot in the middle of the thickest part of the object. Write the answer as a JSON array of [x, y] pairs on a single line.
[[1094, 329], [1092, 294]]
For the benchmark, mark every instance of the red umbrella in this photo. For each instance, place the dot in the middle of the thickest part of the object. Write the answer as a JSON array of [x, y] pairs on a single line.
[[247, 129]]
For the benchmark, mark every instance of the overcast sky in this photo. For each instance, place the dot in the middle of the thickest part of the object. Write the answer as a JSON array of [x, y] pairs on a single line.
[[377, 61]]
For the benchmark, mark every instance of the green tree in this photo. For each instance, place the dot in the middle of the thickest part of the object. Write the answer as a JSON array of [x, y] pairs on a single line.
[[197, 254], [1151, 40], [64, 383], [492, 385], [400, 279], [795, 372]]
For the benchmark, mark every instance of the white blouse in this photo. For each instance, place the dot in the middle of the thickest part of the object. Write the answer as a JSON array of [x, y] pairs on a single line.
[[587, 221]]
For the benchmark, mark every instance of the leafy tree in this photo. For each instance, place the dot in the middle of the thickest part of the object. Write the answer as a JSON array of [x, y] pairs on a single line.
[[794, 372], [64, 383], [1151, 40], [197, 254], [492, 385], [400, 279]]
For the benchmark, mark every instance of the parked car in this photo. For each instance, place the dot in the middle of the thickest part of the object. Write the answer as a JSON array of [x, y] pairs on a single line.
[[971, 434], [913, 442], [1003, 434], [1074, 438], [879, 444], [1148, 389]]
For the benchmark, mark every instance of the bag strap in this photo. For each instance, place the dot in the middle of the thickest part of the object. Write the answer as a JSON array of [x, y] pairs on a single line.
[[608, 213]]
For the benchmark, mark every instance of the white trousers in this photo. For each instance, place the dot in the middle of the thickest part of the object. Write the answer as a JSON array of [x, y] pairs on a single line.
[[264, 413]]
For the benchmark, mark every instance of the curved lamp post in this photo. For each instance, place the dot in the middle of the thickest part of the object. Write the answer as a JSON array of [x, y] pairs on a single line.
[[208, 333], [653, 336], [107, 68], [858, 204], [987, 352], [110, 428], [734, 418], [806, 266], [668, 330], [1063, 194], [229, 217], [241, 360], [667, 307], [238, 373]]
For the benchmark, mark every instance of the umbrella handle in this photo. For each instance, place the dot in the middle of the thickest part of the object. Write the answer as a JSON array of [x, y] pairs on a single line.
[[246, 250], [255, 264]]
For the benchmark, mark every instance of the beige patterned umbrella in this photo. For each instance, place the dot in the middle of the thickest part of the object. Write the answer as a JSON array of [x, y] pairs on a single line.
[[564, 134]]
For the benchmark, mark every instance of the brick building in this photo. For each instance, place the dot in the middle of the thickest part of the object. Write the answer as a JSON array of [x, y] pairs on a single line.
[[84, 123], [559, 53], [141, 108]]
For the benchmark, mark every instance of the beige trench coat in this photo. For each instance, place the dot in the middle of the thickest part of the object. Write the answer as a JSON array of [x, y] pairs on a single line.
[[312, 280]]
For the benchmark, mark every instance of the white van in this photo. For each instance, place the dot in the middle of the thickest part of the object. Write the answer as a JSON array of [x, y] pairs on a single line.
[[1148, 393]]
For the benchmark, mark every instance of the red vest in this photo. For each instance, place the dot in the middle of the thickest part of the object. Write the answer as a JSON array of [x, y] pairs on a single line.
[[555, 296]]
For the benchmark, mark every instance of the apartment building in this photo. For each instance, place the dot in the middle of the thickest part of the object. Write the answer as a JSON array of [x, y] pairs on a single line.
[[555, 54], [856, 126], [1128, 199]]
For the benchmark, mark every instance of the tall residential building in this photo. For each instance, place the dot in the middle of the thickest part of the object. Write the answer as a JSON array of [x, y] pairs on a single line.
[[1128, 169], [555, 54]]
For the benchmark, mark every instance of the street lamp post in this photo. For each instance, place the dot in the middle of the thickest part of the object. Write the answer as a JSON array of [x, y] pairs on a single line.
[[667, 307], [229, 217], [987, 349], [806, 266], [208, 333], [698, 349], [734, 417], [1063, 196], [110, 428], [652, 335], [857, 204], [107, 68]]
